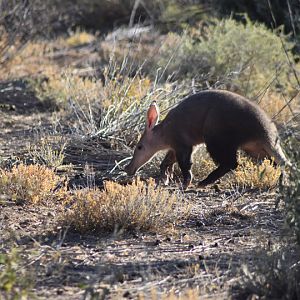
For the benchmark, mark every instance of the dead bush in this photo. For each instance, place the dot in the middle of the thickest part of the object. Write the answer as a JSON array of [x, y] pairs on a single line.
[[248, 173], [32, 184], [134, 207]]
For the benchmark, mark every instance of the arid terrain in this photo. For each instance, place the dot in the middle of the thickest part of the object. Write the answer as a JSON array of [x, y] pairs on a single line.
[[227, 232], [73, 225]]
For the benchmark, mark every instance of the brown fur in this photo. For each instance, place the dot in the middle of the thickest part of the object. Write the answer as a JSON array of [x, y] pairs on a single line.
[[224, 121]]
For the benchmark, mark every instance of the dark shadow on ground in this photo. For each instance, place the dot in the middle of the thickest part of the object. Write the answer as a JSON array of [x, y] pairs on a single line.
[[17, 98]]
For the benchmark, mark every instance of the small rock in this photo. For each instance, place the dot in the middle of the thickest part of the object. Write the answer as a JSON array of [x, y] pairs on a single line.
[[127, 295], [51, 214], [191, 246], [168, 239], [157, 242], [59, 291]]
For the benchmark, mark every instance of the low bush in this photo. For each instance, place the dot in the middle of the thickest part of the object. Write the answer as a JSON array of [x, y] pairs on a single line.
[[114, 107], [248, 173], [48, 151], [65, 87], [242, 57], [134, 207], [32, 184], [258, 175], [290, 188], [15, 281], [79, 38], [276, 275]]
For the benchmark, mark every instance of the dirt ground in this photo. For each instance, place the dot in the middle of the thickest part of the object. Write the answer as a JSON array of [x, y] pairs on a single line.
[[226, 230]]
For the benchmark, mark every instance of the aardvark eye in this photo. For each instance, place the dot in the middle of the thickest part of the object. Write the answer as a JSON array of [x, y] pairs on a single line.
[[139, 147]]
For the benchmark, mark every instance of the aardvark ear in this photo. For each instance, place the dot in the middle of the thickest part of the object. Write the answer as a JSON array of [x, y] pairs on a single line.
[[152, 116]]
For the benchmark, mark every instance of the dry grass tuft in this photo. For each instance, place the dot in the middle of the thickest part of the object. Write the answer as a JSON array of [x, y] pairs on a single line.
[[276, 105], [33, 59], [126, 90], [263, 175], [95, 107], [248, 173], [67, 86], [137, 207], [32, 184], [45, 152], [79, 38], [119, 92]]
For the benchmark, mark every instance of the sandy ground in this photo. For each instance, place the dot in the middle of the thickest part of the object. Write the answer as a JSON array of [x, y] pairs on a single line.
[[226, 229]]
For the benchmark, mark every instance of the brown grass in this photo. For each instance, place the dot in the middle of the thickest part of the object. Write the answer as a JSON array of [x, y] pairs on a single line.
[[79, 37], [33, 59], [138, 207], [248, 173], [32, 184], [273, 103], [65, 86]]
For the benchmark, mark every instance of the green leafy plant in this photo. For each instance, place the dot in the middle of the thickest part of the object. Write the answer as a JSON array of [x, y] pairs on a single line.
[[15, 282], [290, 187], [243, 56]]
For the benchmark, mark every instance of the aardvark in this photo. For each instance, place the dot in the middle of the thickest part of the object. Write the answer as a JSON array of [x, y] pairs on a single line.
[[223, 120]]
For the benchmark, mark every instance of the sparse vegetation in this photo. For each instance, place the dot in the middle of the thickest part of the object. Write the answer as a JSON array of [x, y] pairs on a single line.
[[45, 153], [76, 80], [135, 207], [290, 189], [248, 174], [32, 184], [278, 107], [15, 281], [241, 57], [276, 276], [260, 175], [79, 38], [115, 107], [68, 87], [34, 59]]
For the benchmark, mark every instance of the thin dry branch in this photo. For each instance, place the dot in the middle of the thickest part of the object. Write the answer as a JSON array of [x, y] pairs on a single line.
[[290, 62]]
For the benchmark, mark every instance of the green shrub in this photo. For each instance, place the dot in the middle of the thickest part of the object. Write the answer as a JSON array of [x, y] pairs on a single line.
[[260, 11], [290, 189], [15, 281], [243, 56]]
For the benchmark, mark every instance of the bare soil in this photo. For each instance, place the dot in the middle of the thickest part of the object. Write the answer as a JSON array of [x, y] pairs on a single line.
[[227, 228]]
